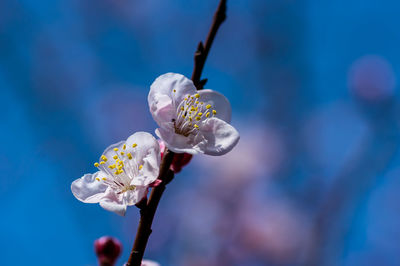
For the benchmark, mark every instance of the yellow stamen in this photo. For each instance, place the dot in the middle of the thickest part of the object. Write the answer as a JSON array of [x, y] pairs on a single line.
[[134, 145], [112, 166], [208, 114], [200, 114], [174, 90], [115, 157], [102, 162], [196, 126], [124, 147], [98, 179], [198, 118], [197, 95], [129, 156], [208, 106], [104, 178], [96, 164], [104, 158], [115, 149], [214, 112], [140, 167], [122, 153]]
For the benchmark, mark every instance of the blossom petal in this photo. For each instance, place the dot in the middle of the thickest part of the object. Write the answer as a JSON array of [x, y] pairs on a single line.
[[150, 170], [149, 263], [166, 92], [220, 137], [109, 152], [176, 142], [87, 189], [132, 197], [145, 148], [113, 203], [218, 102]]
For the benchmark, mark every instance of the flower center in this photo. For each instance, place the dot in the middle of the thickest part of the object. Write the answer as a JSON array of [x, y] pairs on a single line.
[[191, 113], [120, 169]]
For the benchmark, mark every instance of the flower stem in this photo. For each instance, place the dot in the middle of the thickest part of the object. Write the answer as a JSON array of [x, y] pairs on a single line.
[[148, 211]]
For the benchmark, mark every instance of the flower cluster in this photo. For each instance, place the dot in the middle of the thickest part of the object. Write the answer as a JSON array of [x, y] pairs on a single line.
[[190, 122]]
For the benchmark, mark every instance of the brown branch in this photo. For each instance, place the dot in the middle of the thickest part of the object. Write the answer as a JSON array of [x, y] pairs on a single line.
[[201, 53], [148, 211]]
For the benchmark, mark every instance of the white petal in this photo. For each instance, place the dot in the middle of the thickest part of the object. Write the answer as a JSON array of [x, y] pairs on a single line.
[[166, 92], [132, 197], [220, 137], [113, 203], [146, 149], [218, 102], [150, 170], [149, 263], [87, 189], [110, 153], [176, 142]]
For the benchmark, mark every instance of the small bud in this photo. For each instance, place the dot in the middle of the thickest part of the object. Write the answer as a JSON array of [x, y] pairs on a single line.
[[107, 250], [179, 160]]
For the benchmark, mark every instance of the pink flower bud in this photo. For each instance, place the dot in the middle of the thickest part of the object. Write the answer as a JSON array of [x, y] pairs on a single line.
[[107, 250], [180, 159]]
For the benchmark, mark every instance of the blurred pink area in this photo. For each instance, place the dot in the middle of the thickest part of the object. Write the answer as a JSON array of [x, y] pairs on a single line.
[[371, 77], [228, 214]]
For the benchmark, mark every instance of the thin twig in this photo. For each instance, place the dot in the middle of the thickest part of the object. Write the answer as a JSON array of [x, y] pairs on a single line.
[[201, 53], [166, 175]]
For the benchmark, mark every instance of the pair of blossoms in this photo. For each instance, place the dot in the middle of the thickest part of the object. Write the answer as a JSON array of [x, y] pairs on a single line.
[[189, 121]]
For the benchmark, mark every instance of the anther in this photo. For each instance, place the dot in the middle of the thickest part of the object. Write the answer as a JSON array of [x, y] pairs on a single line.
[[134, 145], [115, 149], [96, 164], [140, 167], [214, 112], [208, 106]]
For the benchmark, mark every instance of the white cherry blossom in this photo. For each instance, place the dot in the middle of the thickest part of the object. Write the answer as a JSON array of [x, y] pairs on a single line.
[[191, 121], [126, 169]]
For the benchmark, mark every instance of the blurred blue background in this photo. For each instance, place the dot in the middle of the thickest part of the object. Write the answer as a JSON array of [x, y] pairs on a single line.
[[314, 91]]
